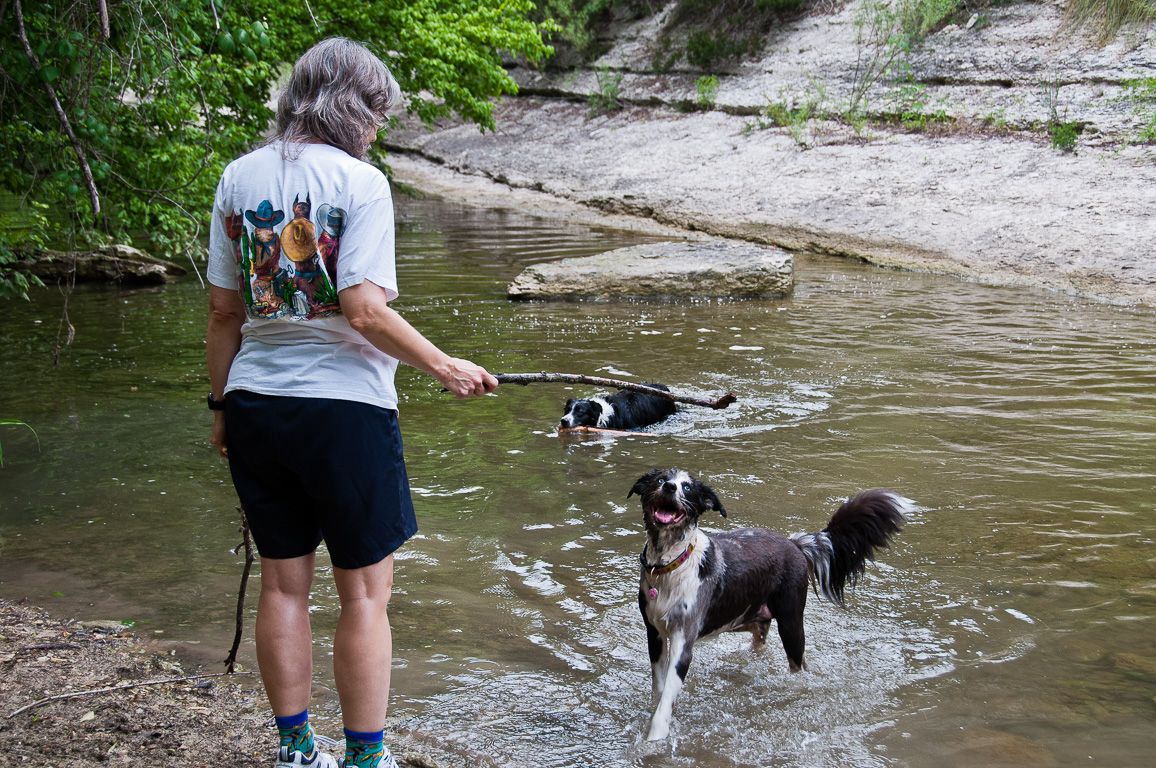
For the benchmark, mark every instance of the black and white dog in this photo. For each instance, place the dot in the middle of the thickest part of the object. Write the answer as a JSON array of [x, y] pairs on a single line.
[[622, 410], [696, 585]]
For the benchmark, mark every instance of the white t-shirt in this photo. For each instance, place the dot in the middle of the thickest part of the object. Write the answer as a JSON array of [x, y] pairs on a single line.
[[289, 234]]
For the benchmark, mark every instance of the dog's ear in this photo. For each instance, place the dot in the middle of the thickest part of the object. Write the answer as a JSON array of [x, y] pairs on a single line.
[[712, 500], [641, 483], [569, 404]]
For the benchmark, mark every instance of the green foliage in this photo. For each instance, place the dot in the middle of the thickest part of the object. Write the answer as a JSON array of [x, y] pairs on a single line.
[[910, 102], [706, 89], [1142, 94], [1061, 132], [802, 116], [723, 29], [572, 23], [1105, 18], [705, 47], [886, 33], [444, 53], [1063, 135], [180, 89], [29, 231], [605, 99]]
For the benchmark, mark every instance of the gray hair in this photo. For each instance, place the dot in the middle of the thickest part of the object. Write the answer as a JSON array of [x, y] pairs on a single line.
[[338, 92]]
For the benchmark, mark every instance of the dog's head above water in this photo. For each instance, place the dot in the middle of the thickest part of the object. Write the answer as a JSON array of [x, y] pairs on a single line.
[[582, 413], [673, 500]]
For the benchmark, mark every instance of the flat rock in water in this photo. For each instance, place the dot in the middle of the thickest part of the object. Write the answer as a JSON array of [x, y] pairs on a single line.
[[704, 269], [110, 263]]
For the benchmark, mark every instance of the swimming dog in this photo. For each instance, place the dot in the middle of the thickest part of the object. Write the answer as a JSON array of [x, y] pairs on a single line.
[[622, 410], [695, 585]]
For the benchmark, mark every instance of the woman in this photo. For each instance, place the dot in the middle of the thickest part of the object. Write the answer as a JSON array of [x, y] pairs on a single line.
[[301, 365]]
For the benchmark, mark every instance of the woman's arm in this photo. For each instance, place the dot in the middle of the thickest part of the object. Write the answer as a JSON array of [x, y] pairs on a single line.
[[366, 308], [222, 342]]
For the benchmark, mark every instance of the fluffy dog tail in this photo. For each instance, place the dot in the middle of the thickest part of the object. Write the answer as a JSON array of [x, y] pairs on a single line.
[[839, 553]]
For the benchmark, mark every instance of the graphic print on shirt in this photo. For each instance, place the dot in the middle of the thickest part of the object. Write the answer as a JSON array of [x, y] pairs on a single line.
[[282, 273]]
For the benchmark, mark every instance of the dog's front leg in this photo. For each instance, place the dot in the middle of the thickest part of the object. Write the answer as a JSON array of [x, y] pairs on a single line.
[[672, 669], [655, 646]]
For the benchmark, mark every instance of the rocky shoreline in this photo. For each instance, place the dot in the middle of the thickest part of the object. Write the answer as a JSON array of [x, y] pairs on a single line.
[[965, 196]]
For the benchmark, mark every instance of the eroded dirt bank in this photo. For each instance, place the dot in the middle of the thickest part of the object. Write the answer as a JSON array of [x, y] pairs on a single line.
[[958, 197], [197, 719]]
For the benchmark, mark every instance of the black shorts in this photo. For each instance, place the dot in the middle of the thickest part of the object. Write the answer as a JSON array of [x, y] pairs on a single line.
[[311, 469]]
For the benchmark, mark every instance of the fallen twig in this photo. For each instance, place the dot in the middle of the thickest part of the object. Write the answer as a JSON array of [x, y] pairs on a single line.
[[247, 543], [52, 647], [77, 694], [598, 381]]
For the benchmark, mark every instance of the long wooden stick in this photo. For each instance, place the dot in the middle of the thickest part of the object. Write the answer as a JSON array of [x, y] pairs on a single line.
[[575, 378], [77, 694]]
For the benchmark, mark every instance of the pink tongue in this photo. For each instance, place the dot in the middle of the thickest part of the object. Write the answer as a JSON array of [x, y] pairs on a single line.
[[664, 517]]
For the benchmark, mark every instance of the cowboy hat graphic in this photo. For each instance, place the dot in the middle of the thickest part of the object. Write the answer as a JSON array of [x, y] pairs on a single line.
[[264, 217], [331, 220]]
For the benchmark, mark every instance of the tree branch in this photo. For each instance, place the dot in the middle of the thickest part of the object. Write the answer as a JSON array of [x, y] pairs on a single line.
[[574, 378], [93, 196], [104, 30]]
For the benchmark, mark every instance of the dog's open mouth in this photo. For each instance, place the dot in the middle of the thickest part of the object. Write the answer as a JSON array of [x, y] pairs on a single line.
[[666, 515]]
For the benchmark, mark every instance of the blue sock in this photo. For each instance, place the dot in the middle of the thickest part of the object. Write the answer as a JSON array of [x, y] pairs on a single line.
[[364, 750], [296, 733]]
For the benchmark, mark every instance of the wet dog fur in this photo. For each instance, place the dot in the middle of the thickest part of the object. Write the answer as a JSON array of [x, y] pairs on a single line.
[[741, 580], [622, 410]]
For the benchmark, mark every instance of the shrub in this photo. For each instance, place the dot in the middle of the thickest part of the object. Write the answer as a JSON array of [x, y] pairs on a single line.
[[1063, 136], [605, 99], [707, 89]]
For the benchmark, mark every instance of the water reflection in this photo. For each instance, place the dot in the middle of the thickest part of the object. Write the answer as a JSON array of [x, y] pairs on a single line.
[[1011, 624]]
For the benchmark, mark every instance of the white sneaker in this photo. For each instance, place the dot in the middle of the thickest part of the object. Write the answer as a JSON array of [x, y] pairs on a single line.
[[294, 759], [387, 761]]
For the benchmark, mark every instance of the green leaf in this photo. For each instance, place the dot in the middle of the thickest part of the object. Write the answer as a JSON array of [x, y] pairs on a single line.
[[49, 74]]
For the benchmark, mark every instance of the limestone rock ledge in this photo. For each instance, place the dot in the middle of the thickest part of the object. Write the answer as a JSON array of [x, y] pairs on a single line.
[[110, 263], [711, 269]]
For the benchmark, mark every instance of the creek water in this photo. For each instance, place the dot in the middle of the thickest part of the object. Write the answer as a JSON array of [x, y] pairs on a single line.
[[1011, 624]]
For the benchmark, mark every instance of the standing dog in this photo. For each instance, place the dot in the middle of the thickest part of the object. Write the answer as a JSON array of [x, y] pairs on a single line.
[[622, 410], [696, 585]]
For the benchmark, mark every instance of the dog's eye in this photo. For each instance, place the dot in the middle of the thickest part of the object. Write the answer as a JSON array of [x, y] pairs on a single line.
[[686, 487]]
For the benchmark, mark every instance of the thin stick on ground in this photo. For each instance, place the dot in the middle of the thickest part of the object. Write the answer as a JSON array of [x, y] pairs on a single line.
[[574, 378], [93, 692], [247, 543]]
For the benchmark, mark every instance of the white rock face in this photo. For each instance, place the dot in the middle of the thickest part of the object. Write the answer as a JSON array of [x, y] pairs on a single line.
[[711, 269]]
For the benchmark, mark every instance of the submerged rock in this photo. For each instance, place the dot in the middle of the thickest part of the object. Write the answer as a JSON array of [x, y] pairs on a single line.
[[710, 269], [110, 263]]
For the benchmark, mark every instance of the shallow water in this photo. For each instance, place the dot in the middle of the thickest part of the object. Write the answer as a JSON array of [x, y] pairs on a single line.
[[1011, 625]]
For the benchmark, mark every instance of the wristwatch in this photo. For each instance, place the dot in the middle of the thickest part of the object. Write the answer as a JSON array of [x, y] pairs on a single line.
[[214, 405]]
